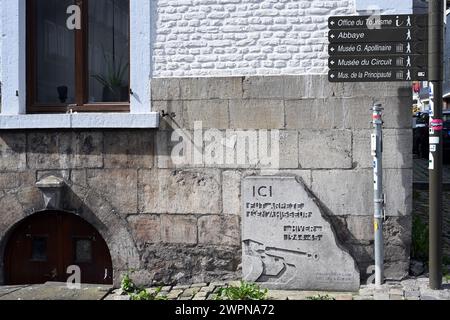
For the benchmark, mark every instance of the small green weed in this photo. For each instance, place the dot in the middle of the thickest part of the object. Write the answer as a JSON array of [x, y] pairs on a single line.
[[246, 291], [137, 293], [320, 297]]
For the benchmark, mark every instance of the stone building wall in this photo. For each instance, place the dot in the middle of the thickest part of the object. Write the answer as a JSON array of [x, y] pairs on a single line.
[[180, 222]]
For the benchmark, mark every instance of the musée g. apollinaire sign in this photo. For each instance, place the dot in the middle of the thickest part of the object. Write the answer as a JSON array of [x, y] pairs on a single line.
[[378, 48]]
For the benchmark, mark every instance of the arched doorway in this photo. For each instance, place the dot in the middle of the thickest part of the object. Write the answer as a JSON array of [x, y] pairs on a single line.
[[43, 246]]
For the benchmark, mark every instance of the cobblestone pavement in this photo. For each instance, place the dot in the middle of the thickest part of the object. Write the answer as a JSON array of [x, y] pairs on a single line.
[[411, 289]]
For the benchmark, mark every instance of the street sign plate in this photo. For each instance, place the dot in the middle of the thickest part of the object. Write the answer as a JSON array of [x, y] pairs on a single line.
[[377, 75], [372, 48], [385, 61], [367, 35], [378, 48], [378, 22]]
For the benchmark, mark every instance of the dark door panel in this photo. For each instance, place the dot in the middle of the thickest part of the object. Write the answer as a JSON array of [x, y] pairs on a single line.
[[43, 246]]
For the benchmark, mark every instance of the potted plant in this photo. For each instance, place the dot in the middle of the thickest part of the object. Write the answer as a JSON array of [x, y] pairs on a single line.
[[115, 88]]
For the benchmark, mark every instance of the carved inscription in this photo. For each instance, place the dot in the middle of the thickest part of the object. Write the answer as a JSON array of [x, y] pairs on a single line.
[[287, 243]]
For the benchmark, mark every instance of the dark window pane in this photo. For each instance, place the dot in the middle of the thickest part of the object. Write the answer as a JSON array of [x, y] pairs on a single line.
[[55, 53], [83, 251], [109, 52], [39, 249]]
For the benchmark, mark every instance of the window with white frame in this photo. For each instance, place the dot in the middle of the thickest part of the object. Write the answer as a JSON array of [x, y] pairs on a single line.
[[76, 63], [79, 63]]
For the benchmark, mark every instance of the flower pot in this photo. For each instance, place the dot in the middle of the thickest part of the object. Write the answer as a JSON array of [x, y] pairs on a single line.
[[117, 94]]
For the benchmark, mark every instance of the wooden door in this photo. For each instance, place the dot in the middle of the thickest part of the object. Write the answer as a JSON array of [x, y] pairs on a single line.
[[43, 246]]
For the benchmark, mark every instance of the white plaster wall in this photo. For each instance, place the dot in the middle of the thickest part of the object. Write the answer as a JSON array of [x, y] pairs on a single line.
[[243, 37]]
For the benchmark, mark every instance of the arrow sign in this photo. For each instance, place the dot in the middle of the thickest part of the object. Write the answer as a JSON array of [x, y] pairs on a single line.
[[373, 48], [384, 35], [392, 61], [377, 75], [378, 22]]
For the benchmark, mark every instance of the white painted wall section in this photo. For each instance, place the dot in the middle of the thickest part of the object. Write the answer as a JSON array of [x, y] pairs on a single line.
[[13, 60], [386, 6], [140, 55]]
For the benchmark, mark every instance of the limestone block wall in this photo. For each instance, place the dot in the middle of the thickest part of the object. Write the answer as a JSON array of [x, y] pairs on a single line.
[[324, 139], [180, 222]]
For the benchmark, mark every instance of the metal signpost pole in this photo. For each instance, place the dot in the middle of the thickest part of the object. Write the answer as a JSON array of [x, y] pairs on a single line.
[[435, 67], [378, 196]]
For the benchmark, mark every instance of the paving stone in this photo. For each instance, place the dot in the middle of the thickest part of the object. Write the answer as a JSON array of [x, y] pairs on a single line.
[[200, 296], [218, 284], [365, 292], [166, 288], [189, 292], [151, 290], [300, 295], [422, 281], [344, 296], [428, 298], [199, 285], [211, 297], [174, 294], [395, 297], [181, 287], [363, 298], [118, 298], [409, 283], [380, 296], [396, 291], [57, 291], [206, 289], [279, 294], [234, 284], [412, 294]]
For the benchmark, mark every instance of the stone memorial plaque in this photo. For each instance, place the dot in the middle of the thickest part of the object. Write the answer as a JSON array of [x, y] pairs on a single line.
[[288, 242]]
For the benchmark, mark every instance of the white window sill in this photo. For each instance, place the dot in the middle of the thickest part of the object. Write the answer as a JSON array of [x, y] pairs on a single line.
[[80, 121]]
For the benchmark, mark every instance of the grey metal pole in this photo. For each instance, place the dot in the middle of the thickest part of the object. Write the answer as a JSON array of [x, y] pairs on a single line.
[[378, 196], [435, 71]]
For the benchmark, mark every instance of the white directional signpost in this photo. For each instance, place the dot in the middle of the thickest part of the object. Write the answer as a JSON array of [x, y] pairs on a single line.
[[378, 49]]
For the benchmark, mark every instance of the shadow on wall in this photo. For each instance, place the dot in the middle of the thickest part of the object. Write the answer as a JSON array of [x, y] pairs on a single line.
[[402, 239]]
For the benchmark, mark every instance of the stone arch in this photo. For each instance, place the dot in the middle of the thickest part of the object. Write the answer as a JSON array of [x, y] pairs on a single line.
[[86, 204]]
